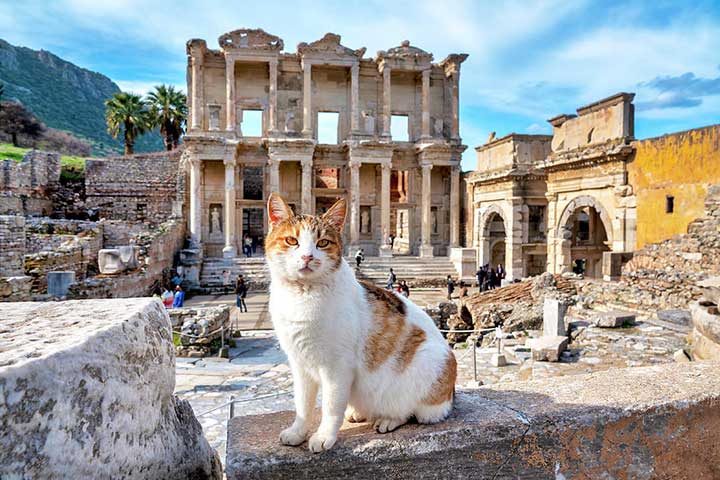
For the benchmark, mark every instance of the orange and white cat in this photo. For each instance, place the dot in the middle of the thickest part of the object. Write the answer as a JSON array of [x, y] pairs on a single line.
[[377, 356]]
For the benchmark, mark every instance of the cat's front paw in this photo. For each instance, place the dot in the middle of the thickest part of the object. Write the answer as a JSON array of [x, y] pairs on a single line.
[[320, 442], [292, 436]]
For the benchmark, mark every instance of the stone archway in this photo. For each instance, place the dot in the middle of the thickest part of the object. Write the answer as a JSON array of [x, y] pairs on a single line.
[[493, 231], [584, 232]]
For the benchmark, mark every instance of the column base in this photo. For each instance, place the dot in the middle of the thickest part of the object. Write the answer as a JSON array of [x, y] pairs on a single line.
[[386, 251], [229, 252], [426, 251]]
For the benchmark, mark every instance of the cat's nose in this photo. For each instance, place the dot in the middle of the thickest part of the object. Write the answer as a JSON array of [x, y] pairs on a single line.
[[307, 258]]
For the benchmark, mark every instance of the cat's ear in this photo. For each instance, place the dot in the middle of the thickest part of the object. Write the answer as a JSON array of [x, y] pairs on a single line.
[[278, 210], [336, 214]]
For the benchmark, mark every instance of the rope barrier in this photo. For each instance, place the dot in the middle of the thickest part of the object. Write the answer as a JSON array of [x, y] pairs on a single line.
[[233, 401], [199, 336]]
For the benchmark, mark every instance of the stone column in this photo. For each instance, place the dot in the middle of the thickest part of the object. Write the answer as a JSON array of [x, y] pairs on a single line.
[[425, 104], [455, 81], [385, 204], [426, 248], [273, 175], [306, 187], [354, 203], [387, 101], [355, 98], [195, 202], [307, 101], [514, 240], [229, 250], [231, 122], [455, 206], [197, 103], [272, 109]]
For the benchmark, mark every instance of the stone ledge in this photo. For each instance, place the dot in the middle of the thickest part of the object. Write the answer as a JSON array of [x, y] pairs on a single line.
[[649, 422]]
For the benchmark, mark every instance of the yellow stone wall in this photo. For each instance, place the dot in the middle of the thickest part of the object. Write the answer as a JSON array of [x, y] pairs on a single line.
[[683, 165]]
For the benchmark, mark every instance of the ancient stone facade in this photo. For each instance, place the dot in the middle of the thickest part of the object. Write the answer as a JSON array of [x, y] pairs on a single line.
[[509, 205], [26, 187], [12, 243], [556, 203], [144, 187], [258, 113]]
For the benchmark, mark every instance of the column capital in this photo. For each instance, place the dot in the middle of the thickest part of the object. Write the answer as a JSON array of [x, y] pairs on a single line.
[[455, 170], [230, 161], [306, 162], [386, 166], [355, 163], [426, 166], [273, 161]]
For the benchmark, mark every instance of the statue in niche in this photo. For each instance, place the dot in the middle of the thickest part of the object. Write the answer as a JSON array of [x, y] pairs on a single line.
[[364, 221], [214, 117], [402, 225], [434, 221], [438, 127], [369, 122], [215, 222], [289, 117]]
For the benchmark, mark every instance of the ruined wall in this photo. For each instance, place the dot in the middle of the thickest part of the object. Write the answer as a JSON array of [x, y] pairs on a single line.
[[88, 393], [682, 165], [137, 188], [12, 245], [25, 187], [512, 151], [157, 252]]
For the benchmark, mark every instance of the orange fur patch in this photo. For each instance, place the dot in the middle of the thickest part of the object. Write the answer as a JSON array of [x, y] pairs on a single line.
[[444, 387], [415, 338], [275, 240], [388, 325]]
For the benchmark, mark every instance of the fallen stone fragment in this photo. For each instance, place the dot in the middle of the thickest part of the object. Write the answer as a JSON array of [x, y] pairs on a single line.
[[547, 349], [614, 319]]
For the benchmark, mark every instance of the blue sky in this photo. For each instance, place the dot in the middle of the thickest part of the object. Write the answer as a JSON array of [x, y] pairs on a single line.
[[528, 60]]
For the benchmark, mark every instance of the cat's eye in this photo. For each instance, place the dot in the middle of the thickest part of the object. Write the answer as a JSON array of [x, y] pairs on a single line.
[[292, 241], [323, 242]]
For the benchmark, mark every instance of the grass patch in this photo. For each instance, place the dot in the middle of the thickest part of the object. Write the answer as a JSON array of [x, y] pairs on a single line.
[[176, 339], [8, 151]]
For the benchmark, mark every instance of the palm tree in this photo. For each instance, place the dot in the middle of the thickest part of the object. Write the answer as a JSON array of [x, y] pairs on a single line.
[[168, 112], [128, 112]]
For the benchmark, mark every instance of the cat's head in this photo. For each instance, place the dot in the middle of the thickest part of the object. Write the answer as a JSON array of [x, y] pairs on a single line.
[[304, 248]]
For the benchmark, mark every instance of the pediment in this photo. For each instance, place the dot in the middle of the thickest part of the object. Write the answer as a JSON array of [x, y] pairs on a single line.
[[407, 52], [329, 44], [250, 39]]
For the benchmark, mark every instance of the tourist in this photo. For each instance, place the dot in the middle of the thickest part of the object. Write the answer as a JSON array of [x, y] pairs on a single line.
[[167, 297], [392, 241], [500, 272], [240, 293], [359, 257], [450, 287], [493, 279], [176, 280], [247, 246], [254, 244], [463, 289], [481, 277], [390, 280], [404, 289], [179, 297], [226, 281]]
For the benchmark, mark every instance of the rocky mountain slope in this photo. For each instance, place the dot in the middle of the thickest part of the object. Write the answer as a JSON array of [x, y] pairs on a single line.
[[63, 95]]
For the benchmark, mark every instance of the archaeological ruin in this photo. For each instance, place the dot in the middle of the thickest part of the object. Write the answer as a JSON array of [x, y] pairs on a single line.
[[610, 244]]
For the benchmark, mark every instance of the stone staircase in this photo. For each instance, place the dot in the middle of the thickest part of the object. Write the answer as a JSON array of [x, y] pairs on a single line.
[[254, 271], [418, 272]]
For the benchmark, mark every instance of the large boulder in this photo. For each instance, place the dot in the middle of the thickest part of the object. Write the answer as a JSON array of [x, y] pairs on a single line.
[[86, 391]]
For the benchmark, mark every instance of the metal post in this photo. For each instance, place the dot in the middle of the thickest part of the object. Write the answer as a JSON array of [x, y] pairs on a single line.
[[232, 406], [474, 359]]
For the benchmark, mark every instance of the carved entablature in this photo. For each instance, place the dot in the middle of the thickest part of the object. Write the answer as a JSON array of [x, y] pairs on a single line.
[[250, 39], [328, 49], [451, 63], [404, 57]]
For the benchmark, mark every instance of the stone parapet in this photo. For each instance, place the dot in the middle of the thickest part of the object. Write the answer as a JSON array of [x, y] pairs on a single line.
[[25, 186], [645, 422], [86, 391]]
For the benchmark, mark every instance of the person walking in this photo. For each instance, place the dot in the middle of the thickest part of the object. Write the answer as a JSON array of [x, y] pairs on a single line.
[[390, 280], [481, 275], [167, 297], [450, 287], [179, 298], [392, 241], [241, 293], [404, 288], [359, 257], [247, 245]]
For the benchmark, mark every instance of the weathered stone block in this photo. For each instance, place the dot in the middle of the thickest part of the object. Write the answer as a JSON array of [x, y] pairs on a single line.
[[465, 261], [547, 349], [554, 317], [578, 426], [612, 263], [613, 319], [705, 334], [59, 283], [679, 317], [86, 391], [116, 260]]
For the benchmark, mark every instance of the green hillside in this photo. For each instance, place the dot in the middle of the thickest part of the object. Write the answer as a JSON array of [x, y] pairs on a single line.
[[64, 96]]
